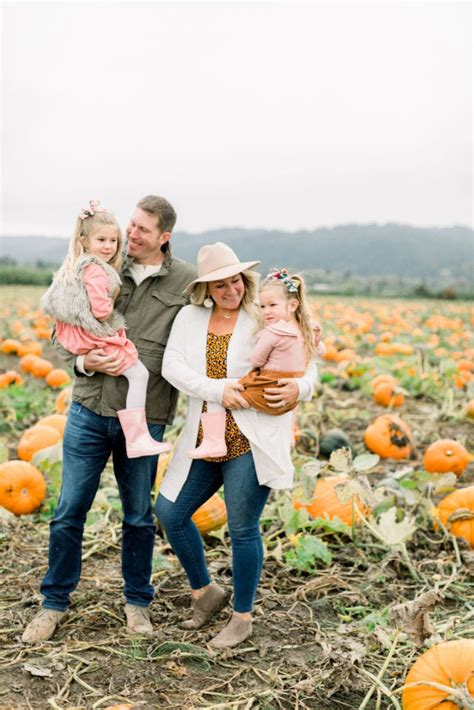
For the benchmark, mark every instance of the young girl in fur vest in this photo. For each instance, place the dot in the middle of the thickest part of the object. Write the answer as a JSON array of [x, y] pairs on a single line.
[[288, 341], [81, 299]]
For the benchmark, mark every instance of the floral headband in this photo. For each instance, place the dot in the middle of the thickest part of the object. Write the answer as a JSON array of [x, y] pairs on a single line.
[[282, 275], [93, 209]]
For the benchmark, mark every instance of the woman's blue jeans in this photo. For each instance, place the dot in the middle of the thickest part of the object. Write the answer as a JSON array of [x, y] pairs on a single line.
[[89, 439], [245, 500]]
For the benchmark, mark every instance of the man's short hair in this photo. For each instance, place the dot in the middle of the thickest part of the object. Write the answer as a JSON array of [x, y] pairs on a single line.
[[162, 209]]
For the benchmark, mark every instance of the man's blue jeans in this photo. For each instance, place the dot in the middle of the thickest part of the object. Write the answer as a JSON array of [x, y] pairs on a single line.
[[245, 500], [88, 441]]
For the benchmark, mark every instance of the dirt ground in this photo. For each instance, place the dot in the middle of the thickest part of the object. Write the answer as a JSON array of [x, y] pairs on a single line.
[[320, 640]]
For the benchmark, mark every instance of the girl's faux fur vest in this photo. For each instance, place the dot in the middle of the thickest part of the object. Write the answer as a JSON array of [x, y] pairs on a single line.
[[69, 302]]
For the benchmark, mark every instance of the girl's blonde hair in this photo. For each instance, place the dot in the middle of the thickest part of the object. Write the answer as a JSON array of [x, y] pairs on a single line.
[[249, 301], [303, 311], [85, 228]]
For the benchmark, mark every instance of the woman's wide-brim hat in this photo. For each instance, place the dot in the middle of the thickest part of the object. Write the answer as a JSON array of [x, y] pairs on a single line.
[[217, 261]]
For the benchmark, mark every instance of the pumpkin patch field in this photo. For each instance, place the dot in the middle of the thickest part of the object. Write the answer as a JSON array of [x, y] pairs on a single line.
[[367, 593]]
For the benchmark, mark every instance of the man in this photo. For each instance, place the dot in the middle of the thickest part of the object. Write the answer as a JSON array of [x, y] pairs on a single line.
[[150, 297]]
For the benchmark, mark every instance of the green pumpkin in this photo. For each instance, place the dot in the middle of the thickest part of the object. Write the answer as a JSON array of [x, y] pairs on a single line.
[[331, 441]]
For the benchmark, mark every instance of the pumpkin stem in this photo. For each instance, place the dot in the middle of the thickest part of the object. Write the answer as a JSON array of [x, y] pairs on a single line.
[[459, 695], [461, 514]]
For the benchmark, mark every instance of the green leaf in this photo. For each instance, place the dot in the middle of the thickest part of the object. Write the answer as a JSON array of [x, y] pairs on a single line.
[[355, 488], [408, 483], [307, 552], [50, 454], [219, 533], [400, 473], [298, 520], [365, 462], [375, 619], [394, 532], [443, 482], [341, 460], [383, 506], [333, 525]]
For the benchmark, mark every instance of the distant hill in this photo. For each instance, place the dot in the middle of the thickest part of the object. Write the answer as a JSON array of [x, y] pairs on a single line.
[[363, 250]]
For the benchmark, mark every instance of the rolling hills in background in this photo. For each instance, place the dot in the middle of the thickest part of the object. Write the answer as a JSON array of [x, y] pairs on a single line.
[[391, 250]]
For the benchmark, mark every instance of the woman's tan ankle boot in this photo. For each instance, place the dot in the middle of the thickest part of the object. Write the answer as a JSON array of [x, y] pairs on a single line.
[[236, 631], [209, 603]]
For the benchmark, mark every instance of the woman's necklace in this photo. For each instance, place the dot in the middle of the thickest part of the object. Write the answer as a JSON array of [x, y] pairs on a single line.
[[225, 314]]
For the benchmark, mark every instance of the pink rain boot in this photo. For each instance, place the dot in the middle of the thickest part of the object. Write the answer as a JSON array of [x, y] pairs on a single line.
[[213, 440], [138, 440]]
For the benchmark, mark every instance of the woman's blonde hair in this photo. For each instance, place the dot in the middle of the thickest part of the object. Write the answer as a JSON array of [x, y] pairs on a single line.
[[303, 311], [249, 301], [84, 229]]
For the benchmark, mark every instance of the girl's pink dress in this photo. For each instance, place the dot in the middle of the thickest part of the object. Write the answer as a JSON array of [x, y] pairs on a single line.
[[80, 341]]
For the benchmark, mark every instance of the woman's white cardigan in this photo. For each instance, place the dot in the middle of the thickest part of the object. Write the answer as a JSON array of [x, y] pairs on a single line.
[[184, 366]]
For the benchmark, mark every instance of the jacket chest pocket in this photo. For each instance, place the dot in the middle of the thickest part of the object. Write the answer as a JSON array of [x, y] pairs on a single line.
[[164, 307], [123, 298]]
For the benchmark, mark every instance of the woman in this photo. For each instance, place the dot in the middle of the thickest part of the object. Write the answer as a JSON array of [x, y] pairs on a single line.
[[207, 352]]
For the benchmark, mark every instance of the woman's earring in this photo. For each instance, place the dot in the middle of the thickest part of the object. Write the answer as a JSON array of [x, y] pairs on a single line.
[[208, 302]]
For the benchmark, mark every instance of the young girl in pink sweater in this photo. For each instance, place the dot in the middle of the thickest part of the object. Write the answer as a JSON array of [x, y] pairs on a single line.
[[285, 345], [81, 299]]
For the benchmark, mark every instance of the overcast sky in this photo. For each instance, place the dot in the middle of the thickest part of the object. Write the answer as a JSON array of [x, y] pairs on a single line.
[[275, 115]]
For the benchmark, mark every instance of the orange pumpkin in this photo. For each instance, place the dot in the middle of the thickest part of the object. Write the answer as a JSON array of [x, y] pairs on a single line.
[[57, 421], [383, 379], [345, 355], [27, 362], [450, 664], [16, 327], [41, 367], [63, 400], [41, 320], [389, 437], [463, 379], [446, 455], [326, 503], [384, 349], [10, 346], [464, 364], [456, 512], [35, 439], [32, 347], [57, 377], [402, 348], [22, 487], [211, 515], [385, 394], [331, 353], [10, 378]]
